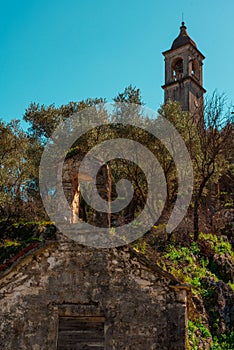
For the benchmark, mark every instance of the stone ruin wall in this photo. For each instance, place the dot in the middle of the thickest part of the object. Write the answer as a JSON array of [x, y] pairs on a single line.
[[71, 188], [140, 308]]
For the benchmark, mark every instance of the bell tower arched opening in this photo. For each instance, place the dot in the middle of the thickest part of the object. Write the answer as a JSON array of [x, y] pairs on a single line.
[[195, 69], [177, 69]]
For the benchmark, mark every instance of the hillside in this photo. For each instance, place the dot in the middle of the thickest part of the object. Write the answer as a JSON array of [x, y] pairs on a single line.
[[206, 266]]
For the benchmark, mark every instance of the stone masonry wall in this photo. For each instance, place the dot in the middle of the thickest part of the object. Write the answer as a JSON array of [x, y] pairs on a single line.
[[71, 187], [141, 311]]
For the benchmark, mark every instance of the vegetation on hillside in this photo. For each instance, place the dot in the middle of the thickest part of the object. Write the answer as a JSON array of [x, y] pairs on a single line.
[[199, 252]]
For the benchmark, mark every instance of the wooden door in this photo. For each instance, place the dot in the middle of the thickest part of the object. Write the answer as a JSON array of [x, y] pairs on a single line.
[[81, 333]]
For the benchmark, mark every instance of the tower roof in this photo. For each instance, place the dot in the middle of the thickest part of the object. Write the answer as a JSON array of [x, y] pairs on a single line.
[[182, 39]]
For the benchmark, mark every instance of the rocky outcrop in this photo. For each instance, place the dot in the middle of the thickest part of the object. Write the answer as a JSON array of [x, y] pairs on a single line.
[[219, 305]]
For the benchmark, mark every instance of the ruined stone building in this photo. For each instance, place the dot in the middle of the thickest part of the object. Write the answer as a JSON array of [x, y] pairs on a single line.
[[65, 296], [71, 188], [62, 295]]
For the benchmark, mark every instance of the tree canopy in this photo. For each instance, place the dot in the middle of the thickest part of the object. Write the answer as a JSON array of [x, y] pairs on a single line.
[[208, 137]]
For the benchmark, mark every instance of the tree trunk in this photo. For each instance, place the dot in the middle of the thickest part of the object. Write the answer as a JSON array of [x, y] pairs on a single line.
[[195, 220], [196, 206]]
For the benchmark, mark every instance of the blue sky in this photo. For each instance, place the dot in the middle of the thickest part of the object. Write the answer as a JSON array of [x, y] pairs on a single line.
[[61, 51]]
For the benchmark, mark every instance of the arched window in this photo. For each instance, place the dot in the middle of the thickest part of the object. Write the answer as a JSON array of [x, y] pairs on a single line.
[[195, 69], [177, 69]]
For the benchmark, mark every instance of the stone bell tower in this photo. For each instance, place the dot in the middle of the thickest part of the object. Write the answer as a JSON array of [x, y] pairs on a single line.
[[183, 73]]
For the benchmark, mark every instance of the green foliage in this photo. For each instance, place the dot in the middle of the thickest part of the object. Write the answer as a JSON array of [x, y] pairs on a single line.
[[207, 293], [195, 249], [193, 341], [73, 151], [19, 235], [223, 247], [195, 329], [190, 264], [11, 244], [218, 244], [130, 95], [9, 249], [231, 285], [223, 341], [213, 239], [203, 329], [179, 254], [209, 148], [44, 119], [228, 205], [187, 265], [141, 245], [20, 157]]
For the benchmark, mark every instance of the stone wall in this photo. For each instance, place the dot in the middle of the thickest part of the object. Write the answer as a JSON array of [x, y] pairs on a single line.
[[141, 307], [71, 188]]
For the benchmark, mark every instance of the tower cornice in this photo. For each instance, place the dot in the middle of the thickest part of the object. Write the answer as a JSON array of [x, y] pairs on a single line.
[[182, 47], [182, 80]]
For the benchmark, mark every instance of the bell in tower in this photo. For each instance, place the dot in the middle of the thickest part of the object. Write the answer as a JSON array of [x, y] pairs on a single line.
[[183, 73]]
